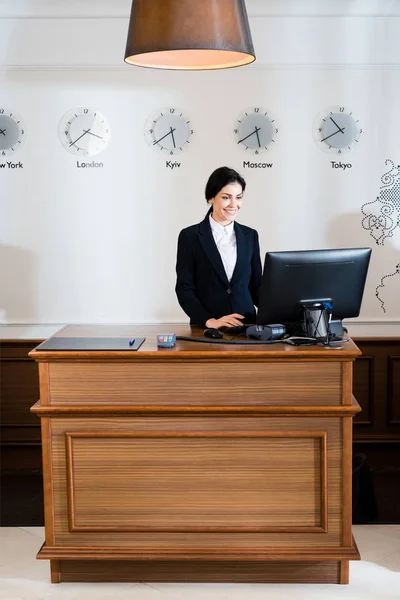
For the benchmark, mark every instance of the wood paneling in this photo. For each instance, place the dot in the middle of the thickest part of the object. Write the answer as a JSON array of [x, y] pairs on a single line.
[[199, 426], [19, 387], [363, 386], [190, 383], [377, 387], [201, 572], [141, 481], [394, 390]]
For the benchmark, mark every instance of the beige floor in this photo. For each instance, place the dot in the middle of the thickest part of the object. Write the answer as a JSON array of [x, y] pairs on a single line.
[[377, 576]]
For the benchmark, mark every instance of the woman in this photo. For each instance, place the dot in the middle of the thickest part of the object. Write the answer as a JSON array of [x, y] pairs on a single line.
[[218, 264]]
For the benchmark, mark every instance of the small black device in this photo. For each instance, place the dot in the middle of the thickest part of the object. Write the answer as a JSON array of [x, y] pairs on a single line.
[[214, 334], [266, 332], [308, 277], [300, 341], [166, 340]]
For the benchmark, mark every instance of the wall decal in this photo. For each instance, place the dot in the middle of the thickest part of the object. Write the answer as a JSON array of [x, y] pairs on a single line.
[[382, 216], [382, 285]]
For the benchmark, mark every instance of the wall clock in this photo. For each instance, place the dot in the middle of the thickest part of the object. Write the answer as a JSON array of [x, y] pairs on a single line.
[[337, 130], [84, 131], [256, 130], [168, 130], [12, 132]]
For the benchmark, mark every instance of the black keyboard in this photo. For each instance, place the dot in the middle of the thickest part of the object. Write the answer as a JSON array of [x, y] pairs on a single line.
[[236, 330]]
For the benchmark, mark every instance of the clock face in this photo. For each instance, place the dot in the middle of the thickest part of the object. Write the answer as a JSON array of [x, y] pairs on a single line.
[[84, 131], [168, 130], [337, 130], [12, 132], [256, 130]]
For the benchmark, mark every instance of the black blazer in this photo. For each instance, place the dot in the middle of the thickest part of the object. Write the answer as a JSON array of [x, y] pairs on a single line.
[[202, 286]]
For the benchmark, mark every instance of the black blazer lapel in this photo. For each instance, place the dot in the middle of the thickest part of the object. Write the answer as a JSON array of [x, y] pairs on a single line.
[[242, 248], [210, 248]]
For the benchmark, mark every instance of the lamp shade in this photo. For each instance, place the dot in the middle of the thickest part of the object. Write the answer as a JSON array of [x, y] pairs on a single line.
[[189, 34]]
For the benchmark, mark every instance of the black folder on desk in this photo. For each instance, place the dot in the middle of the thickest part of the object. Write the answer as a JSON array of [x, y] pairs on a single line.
[[107, 343]]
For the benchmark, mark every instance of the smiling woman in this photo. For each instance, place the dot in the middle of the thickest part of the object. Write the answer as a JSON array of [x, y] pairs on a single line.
[[218, 263]]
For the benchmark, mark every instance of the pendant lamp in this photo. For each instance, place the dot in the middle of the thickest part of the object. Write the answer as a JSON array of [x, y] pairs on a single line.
[[189, 34]]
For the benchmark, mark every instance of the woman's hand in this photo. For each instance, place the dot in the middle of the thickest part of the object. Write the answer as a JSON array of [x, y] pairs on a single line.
[[227, 321]]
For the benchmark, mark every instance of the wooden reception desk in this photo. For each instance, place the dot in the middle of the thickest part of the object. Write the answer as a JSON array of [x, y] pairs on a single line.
[[202, 462]]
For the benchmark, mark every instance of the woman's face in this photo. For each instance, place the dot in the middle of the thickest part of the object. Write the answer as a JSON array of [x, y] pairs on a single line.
[[227, 203]]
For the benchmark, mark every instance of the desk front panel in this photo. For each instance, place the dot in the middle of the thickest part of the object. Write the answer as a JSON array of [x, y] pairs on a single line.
[[197, 482], [198, 383]]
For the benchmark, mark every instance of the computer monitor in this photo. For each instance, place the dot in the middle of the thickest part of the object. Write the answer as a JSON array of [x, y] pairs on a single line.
[[294, 278]]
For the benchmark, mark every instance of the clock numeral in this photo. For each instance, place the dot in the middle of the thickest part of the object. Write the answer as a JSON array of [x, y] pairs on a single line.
[[66, 132], [256, 152], [256, 110], [191, 132], [3, 153], [276, 130], [22, 131], [361, 130], [171, 110], [85, 111], [320, 129], [1, 111], [235, 130], [150, 130], [339, 151], [341, 109]]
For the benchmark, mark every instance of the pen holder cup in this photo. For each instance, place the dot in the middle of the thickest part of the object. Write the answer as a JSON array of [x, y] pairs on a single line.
[[316, 322]]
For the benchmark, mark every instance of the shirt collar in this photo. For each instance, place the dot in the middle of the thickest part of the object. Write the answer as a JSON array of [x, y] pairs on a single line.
[[220, 229]]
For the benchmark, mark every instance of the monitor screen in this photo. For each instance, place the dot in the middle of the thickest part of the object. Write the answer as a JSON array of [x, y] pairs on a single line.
[[292, 278]]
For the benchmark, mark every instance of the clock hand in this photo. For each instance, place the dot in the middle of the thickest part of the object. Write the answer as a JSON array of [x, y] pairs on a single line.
[[164, 136], [256, 129], [3, 131], [328, 136], [258, 137], [81, 136], [90, 133], [172, 133], [333, 121]]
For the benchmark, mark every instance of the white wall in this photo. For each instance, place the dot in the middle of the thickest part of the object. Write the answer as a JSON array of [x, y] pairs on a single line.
[[99, 245]]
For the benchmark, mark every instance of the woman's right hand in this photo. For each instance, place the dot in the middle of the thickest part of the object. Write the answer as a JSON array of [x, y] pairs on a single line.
[[227, 321]]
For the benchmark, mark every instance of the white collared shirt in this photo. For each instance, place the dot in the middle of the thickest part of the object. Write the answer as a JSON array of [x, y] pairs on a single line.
[[225, 239]]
